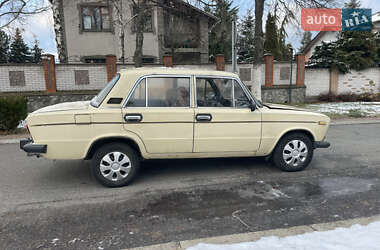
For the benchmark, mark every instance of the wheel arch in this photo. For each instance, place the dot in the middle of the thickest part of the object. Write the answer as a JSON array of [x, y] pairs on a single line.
[[304, 131], [112, 139]]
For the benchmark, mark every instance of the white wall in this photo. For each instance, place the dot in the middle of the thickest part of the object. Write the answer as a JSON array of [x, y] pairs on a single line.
[[34, 78], [65, 77], [357, 82], [317, 81]]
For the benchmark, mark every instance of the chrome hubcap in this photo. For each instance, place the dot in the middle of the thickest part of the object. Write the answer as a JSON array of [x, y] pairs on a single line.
[[295, 153], [115, 166]]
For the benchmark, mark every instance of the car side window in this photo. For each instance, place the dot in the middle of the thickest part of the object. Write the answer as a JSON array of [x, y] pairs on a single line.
[[214, 92], [240, 98], [138, 97], [161, 92], [168, 92]]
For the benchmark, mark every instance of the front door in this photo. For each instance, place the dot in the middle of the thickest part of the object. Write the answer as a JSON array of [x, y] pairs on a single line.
[[159, 112], [224, 121]]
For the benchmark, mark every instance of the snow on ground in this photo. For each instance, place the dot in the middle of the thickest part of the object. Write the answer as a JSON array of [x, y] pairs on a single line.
[[365, 108], [356, 237]]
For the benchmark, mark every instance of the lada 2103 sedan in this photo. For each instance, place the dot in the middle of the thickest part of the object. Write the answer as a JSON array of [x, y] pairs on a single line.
[[173, 113]]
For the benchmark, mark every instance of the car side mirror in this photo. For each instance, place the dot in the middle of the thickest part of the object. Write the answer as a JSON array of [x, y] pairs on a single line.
[[252, 106]]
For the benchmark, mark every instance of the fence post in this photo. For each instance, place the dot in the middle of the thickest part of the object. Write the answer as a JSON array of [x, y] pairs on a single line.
[[168, 60], [48, 62], [300, 76], [334, 79], [268, 59], [111, 66], [220, 62]]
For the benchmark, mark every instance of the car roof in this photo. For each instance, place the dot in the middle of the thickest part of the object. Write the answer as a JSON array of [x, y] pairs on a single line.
[[175, 71]]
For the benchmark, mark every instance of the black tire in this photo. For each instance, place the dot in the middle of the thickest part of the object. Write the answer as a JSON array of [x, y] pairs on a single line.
[[108, 149], [297, 165]]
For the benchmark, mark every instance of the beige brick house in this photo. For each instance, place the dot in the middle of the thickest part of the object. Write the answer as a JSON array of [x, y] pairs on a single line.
[[88, 30]]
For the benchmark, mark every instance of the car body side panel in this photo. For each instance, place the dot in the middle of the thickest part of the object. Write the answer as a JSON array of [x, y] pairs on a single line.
[[278, 122], [230, 130], [163, 130]]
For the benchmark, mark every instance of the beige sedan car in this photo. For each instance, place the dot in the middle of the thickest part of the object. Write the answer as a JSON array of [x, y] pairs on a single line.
[[173, 113]]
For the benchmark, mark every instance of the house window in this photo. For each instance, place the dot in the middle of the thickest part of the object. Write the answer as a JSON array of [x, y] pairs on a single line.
[[95, 18], [148, 20]]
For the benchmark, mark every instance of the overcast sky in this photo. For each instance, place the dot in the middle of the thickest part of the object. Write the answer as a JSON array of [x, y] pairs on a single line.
[[40, 26]]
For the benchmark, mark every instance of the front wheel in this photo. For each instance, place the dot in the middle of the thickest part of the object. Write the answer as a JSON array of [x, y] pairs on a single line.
[[115, 164], [293, 152]]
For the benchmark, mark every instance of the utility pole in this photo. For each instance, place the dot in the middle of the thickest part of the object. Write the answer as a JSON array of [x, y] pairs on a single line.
[[291, 73], [234, 54]]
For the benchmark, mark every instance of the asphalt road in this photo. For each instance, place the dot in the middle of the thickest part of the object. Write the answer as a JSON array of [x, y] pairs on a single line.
[[57, 204]]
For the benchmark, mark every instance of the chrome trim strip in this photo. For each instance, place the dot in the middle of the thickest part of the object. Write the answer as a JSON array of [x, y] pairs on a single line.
[[100, 123]]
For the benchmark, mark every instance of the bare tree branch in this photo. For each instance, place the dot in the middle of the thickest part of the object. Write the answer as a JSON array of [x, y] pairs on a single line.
[[16, 10]]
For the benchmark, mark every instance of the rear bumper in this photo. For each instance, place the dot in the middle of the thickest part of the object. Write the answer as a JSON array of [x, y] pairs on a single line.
[[321, 144], [31, 148]]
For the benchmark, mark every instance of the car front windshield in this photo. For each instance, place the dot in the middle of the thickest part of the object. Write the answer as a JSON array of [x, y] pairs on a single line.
[[99, 98], [258, 102]]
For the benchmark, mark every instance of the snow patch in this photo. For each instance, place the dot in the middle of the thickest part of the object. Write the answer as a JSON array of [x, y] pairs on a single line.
[[366, 108], [353, 238]]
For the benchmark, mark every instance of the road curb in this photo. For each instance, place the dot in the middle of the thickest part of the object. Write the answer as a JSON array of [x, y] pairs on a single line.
[[254, 236], [9, 141], [354, 122]]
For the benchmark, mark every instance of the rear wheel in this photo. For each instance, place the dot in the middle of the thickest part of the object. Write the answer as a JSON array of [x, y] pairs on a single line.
[[115, 164], [293, 152]]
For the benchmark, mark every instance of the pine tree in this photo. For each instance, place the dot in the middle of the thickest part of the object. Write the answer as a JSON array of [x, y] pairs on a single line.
[[306, 39], [283, 47], [19, 52], [353, 4], [4, 47], [36, 53], [356, 50], [220, 40], [271, 37], [245, 41]]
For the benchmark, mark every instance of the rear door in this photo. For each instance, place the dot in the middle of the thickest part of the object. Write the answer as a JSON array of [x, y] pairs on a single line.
[[224, 121], [159, 112]]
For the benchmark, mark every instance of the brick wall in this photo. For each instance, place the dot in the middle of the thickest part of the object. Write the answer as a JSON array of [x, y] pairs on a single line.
[[72, 77], [32, 78], [80, 76]]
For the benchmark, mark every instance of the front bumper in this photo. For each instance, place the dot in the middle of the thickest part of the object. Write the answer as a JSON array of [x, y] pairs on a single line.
[[31, 148], [321, 144]]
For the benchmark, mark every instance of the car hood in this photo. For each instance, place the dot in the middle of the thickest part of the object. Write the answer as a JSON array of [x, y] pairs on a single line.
[[65, 106], [283, 107]]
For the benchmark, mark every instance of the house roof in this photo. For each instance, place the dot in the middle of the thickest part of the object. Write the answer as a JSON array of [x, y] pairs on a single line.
[[313, 41], [376, 17]]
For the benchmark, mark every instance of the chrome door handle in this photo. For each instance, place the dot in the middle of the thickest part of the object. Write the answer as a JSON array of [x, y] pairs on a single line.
[[203, 117], [133, 117]]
